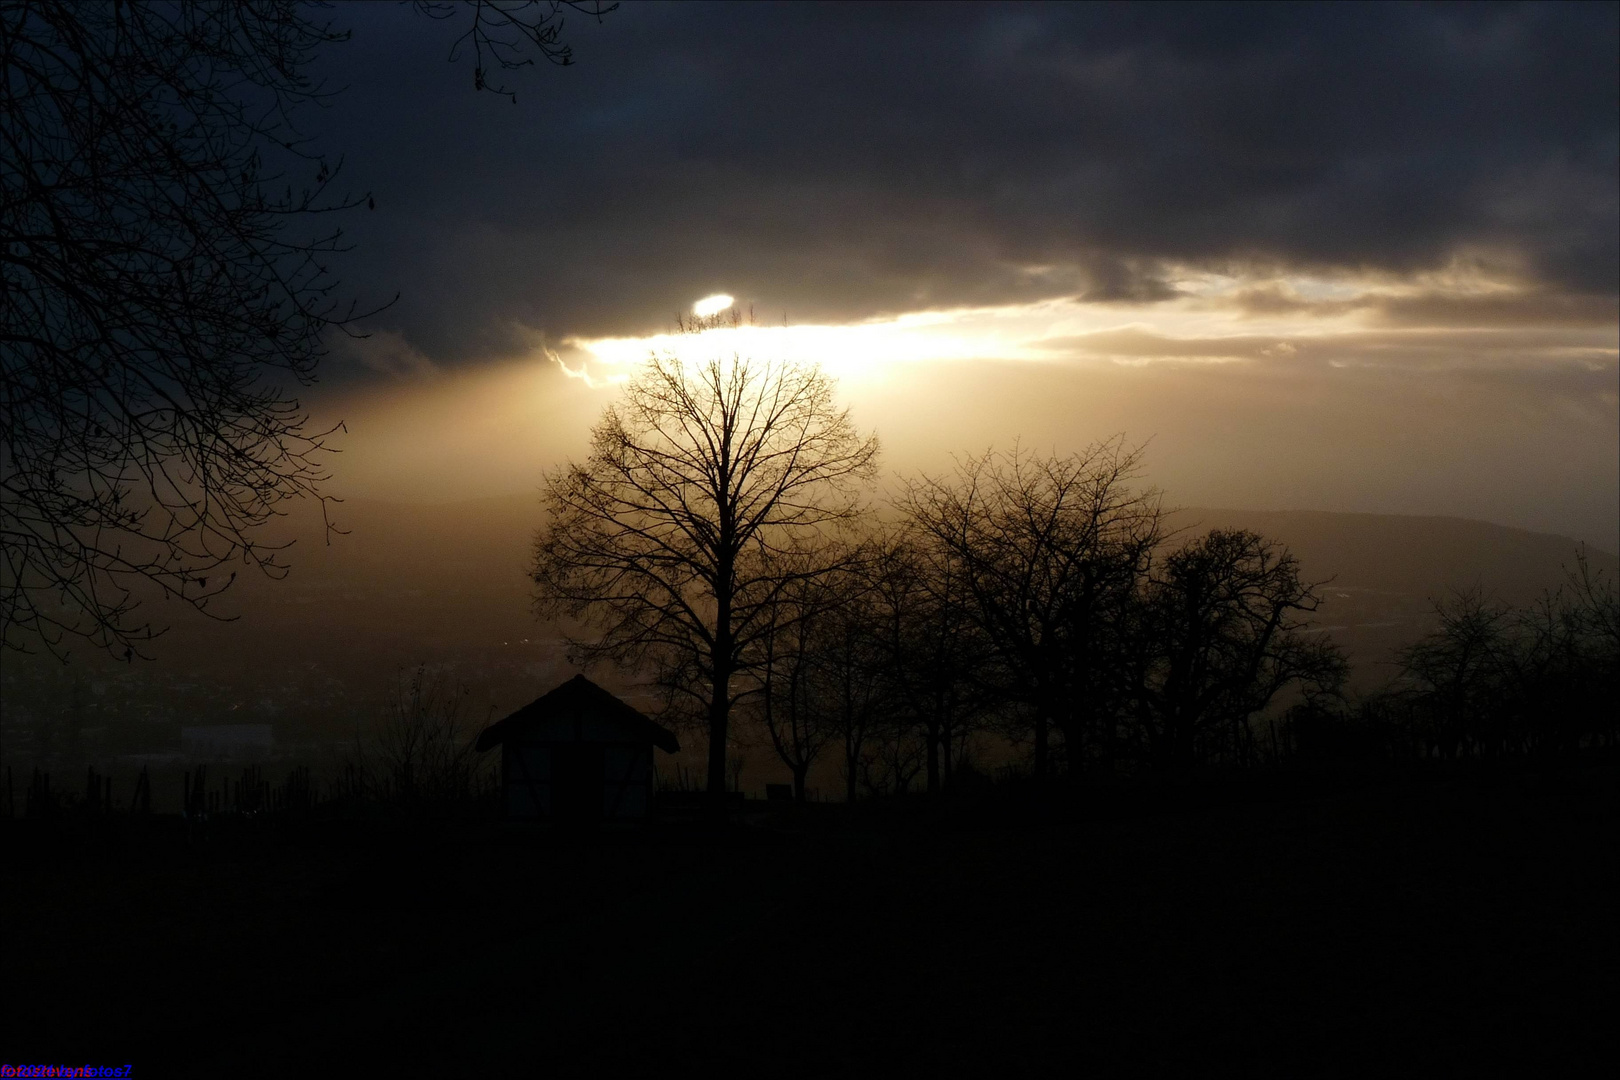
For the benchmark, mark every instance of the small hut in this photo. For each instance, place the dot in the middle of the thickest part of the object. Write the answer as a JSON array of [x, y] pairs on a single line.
[[577, 756]]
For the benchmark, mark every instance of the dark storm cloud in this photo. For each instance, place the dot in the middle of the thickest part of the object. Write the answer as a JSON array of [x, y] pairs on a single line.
[[835, 162]]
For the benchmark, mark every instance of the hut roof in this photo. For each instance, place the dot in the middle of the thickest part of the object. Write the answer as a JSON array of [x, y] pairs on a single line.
[[578, 695]]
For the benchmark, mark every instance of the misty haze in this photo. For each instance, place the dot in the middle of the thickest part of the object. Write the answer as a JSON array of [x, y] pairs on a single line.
[[600, 537]]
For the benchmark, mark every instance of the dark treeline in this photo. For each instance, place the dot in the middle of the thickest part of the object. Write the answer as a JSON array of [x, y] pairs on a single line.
[[1491, 681], [1043, 601], [718, 540]]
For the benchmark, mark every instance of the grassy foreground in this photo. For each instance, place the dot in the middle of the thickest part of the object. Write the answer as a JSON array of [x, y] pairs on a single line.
[[1444, 925]]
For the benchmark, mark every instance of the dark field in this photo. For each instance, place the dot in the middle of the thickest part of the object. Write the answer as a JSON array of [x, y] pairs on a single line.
[[1448, 925]]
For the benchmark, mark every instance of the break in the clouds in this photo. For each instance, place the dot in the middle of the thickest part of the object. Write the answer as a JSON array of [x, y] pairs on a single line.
[[1344, 256], [839, 162]]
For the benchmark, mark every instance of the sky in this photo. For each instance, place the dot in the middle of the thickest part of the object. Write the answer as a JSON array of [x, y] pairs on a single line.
[[1337, 257]]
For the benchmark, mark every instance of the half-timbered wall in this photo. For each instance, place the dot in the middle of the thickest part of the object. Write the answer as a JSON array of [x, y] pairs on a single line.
[[627, 778]]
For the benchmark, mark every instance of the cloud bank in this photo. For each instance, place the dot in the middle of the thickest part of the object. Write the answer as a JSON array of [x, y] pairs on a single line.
[[845, 162], [1341, 256]]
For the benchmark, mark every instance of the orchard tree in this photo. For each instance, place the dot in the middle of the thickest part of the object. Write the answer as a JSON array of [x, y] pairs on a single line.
[[1221, 634], [933, 655], [791, 703], [857, 683], [1049, 552]]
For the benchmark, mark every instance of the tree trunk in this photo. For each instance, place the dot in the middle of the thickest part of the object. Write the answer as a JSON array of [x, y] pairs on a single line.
[[852, 738], [1109, 724], [719, 718], [1071, 729], [720, 685], [932, 736], [931, 730], [1184, 746], [1041, 748], [798, 783]]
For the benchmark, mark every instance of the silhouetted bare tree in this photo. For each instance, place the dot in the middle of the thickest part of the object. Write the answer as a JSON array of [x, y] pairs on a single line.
[[1051, 551], [500, 31], [895, 755], [708, 491], [163, 272], [1491, 680], [1459, 670], [856, 681], [791, 703], [424, 745], [1580, 679], [932, 653], [1220, 636], [151, 291]]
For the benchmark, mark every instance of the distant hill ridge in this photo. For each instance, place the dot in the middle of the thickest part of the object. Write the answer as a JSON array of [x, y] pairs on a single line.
[[1411, 554], [447, 584]]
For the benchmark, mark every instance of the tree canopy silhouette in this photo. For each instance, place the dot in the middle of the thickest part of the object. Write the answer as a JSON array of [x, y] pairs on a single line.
[[1047, 554], [1493, 680], [1221, 633], [932, 652], [708, 491]]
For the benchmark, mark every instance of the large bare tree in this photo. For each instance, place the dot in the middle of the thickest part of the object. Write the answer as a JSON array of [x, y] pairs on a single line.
[[1049, 551], [151, 298], [708, 488]]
